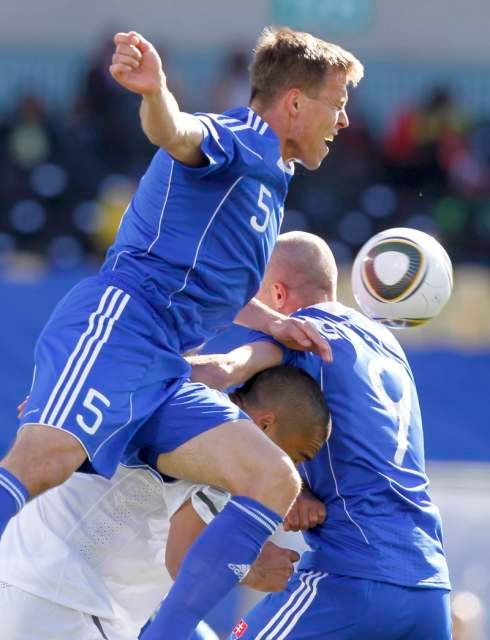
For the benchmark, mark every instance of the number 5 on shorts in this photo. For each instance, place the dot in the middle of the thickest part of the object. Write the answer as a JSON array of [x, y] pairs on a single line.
[[88, 403]]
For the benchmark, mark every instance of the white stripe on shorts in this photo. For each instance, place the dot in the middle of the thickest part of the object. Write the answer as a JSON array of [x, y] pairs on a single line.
[[82, 351], [297, 616], [281, 618], [98, 346]]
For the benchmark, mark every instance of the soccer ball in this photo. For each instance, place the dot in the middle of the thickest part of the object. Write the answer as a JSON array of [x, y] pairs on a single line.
[[402, 277]]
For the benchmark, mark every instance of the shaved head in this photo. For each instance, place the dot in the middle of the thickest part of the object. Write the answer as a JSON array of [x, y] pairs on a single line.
[[304, 263]]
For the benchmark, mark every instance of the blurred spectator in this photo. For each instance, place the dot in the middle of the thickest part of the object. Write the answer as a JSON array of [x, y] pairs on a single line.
[[430, 169], [29, 133], [233, 87]]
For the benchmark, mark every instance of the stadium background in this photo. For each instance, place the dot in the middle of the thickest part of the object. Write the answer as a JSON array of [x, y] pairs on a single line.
[[417, 154]]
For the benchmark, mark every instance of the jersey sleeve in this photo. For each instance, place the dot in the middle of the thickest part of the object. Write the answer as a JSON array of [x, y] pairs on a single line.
[[224, 147]]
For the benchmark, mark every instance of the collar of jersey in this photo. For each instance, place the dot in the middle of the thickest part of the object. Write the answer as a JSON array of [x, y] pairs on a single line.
[[248, 115]]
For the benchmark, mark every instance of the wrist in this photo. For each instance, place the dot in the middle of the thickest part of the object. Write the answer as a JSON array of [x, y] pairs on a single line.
[[271, 318], [157, 94]]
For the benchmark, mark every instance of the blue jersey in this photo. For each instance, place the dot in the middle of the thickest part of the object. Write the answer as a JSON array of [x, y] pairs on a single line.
[[381, 523], [194, 242]]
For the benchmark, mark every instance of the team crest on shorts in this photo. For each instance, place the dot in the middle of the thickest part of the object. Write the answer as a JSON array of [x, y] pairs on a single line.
[[239, 630]]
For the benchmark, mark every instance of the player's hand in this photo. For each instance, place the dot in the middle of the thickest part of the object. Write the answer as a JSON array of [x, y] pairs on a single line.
[[22, 407], [301, 335], [272, 569], [307, 512], [136, 64]]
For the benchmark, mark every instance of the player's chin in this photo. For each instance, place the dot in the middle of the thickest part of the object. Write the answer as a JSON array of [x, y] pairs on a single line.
[[314, 160]]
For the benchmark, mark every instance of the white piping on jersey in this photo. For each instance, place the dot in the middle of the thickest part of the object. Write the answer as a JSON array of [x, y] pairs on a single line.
[[247, 124], [14, 491], [306, 605], [224, 120], [263, 129], [122, 217], [117, 258], [199, 244], [113, 433], [118, 229], [163, 208], [289, 608], [24, 416], [256, 515], [335, 479], [93, 345], [245, 146], [212, 130], [342, 497], [33, 378], [232, 130], [305, 471], [287, 168], [422, 487]]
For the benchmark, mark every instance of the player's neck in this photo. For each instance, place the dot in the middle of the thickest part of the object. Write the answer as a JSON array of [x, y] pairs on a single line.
[[274, 119], [308, 301]]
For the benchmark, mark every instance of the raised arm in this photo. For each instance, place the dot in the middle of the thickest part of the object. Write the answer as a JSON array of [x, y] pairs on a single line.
[[223, 370], [137, 66], [293, 333]]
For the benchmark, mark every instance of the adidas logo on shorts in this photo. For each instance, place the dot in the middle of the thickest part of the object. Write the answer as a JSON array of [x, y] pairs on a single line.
[[239, 570]]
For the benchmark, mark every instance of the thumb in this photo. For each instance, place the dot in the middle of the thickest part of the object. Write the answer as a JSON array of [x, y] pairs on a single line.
[[293, 555]]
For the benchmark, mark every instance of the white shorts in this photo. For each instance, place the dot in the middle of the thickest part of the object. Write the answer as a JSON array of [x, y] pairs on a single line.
[[24, 616]]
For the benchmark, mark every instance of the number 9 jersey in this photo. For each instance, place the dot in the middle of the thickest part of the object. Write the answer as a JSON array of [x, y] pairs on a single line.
[[381, 524]]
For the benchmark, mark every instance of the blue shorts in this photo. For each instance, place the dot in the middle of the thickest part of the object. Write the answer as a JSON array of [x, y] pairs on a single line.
[[321, 606], [103, 367]]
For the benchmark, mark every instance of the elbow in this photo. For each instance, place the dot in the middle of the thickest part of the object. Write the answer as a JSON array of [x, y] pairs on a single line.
[[152, 136]]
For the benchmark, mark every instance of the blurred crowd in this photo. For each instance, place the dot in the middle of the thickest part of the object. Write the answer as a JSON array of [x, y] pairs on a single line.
[[67, 176]]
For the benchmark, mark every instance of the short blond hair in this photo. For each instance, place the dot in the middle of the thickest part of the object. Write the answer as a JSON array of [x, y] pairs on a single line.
[[284, 59]]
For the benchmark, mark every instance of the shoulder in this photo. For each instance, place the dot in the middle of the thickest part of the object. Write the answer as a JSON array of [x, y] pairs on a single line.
[[251, 137]]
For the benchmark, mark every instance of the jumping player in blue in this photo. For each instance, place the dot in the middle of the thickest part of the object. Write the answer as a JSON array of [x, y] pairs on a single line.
[[376, 569], [187, 260]]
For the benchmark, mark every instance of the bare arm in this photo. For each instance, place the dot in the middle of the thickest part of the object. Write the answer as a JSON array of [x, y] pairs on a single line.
[[137, 66], [270, 572], [293, 333], [224, 370]]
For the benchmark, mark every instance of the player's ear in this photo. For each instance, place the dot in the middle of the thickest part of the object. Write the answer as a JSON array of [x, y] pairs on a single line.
[[280, 295], [266, 423], [293, 101]]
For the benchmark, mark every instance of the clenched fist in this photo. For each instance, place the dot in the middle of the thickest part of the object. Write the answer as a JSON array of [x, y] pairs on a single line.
[[136, 64], [272, 569], [307, 512]]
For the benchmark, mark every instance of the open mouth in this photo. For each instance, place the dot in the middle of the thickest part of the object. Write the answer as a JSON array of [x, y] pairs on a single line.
[[328, 139]]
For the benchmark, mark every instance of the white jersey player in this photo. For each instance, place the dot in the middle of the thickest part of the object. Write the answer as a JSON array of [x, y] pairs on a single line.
[[86, 560]]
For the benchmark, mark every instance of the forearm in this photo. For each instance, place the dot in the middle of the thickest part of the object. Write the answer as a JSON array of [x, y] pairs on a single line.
[[166, 126], [258, 316], [221, 371]]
